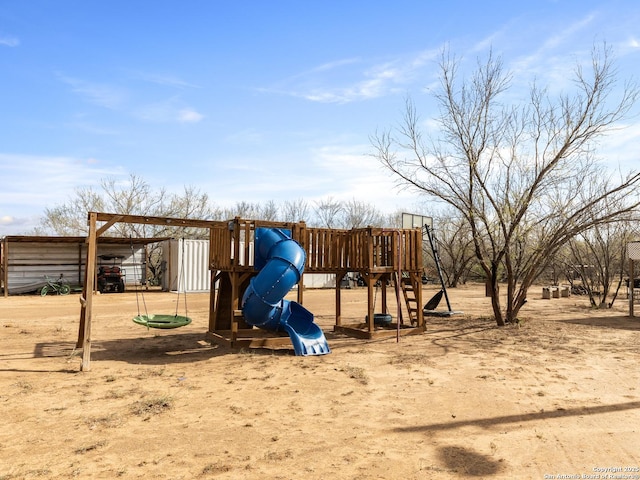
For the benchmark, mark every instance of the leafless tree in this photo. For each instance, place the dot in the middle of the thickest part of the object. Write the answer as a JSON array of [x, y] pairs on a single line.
[[243, 210], [523, 176], [70, 218], [131, 197], [597, 258], [359, 214], [328, 212], [455, 247], [295, 210]]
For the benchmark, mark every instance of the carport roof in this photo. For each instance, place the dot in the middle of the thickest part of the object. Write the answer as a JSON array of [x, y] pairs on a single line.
[[101, 240]]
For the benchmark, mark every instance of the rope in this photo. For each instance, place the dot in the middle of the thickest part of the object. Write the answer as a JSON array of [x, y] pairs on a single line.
[[159, 320], [135, 274], [181, 282]]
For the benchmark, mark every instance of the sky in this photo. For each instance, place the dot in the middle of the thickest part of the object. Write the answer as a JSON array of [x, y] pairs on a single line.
[[260, 100]]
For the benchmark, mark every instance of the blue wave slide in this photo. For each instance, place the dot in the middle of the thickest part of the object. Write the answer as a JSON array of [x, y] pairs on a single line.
[[280, 261]]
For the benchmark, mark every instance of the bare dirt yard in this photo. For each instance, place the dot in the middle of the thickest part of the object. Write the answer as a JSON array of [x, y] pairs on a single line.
[[556, 397]]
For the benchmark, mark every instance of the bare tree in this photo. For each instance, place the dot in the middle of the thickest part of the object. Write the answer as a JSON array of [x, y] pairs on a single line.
[[514, 171], [295, 210], [597, 258], [455, 247], [242, 210], [359, 214], [269, 211], [328, 212], [131, 197], [70, 218], [134, 197], [393, 220]]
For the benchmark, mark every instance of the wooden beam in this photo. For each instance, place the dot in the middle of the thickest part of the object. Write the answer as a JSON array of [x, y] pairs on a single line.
[[85, 366], [108, 225], [147, 220]]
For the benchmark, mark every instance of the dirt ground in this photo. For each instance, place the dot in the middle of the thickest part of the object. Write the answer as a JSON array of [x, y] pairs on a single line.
[[556, 397]]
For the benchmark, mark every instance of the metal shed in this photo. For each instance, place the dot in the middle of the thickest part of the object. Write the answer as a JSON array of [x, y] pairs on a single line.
[[186, 265], [29, 260]]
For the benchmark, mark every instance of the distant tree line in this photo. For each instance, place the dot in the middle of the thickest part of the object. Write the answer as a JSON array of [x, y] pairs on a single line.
[[137, 197]]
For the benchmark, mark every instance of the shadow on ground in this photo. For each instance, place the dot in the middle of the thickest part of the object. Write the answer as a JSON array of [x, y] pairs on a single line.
[[622, 322]]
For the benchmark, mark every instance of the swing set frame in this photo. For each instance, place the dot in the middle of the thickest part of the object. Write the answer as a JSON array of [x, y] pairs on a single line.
[[88, 291]]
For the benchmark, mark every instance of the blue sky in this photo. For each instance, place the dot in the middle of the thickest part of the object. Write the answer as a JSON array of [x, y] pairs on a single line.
[[258, 100]]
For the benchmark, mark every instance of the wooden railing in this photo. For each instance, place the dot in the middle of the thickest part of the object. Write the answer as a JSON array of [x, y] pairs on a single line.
[[328, 250]]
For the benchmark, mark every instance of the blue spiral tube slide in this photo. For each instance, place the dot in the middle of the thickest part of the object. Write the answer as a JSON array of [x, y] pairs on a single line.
[[280, 261]]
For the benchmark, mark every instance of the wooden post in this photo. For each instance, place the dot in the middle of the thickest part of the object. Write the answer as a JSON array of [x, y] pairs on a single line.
[[338, 302], [370, 302], [85, 366], [5, 266], [631, 287]]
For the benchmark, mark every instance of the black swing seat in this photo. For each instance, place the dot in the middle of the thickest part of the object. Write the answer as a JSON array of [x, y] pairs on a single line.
[[162, 321]]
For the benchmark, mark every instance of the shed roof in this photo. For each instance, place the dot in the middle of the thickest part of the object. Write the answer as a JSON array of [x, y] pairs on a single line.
[[101, 240]]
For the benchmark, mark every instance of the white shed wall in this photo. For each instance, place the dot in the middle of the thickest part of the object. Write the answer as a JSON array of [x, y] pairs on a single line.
[[319, 280], [187, 265]]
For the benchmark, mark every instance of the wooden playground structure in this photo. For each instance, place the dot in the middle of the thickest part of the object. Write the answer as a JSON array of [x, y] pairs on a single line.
[[381, 257]]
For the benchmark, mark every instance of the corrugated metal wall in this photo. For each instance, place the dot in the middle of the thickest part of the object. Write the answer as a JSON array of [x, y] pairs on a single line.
[[29, 262], [319, 280], [187, 265]]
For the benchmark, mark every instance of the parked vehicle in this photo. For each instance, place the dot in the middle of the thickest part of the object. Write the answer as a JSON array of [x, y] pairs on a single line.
[[110, 276]]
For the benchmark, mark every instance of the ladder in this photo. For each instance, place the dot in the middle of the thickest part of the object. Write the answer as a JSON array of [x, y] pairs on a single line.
[[409, 292]]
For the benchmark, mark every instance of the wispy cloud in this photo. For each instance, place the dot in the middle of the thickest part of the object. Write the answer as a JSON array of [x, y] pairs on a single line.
[[543, 61], [167, 80], [620, 147], [9, 41], [35, 176], [188, 115], [326, 67], [117, 98], [329, 82], [168, 111], [30, 183], [576, 27], [104, 95], [488, 41], [246, 136], [352, 174], [29, 180]]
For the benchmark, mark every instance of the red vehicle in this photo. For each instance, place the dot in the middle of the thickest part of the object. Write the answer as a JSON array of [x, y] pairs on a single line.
[[110, 276]]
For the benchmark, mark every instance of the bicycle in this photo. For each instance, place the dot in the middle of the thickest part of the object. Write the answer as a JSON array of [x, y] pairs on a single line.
[[60, 286]]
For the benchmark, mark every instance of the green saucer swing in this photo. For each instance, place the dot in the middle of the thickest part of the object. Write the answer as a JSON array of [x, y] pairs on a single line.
[[162, 321]]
